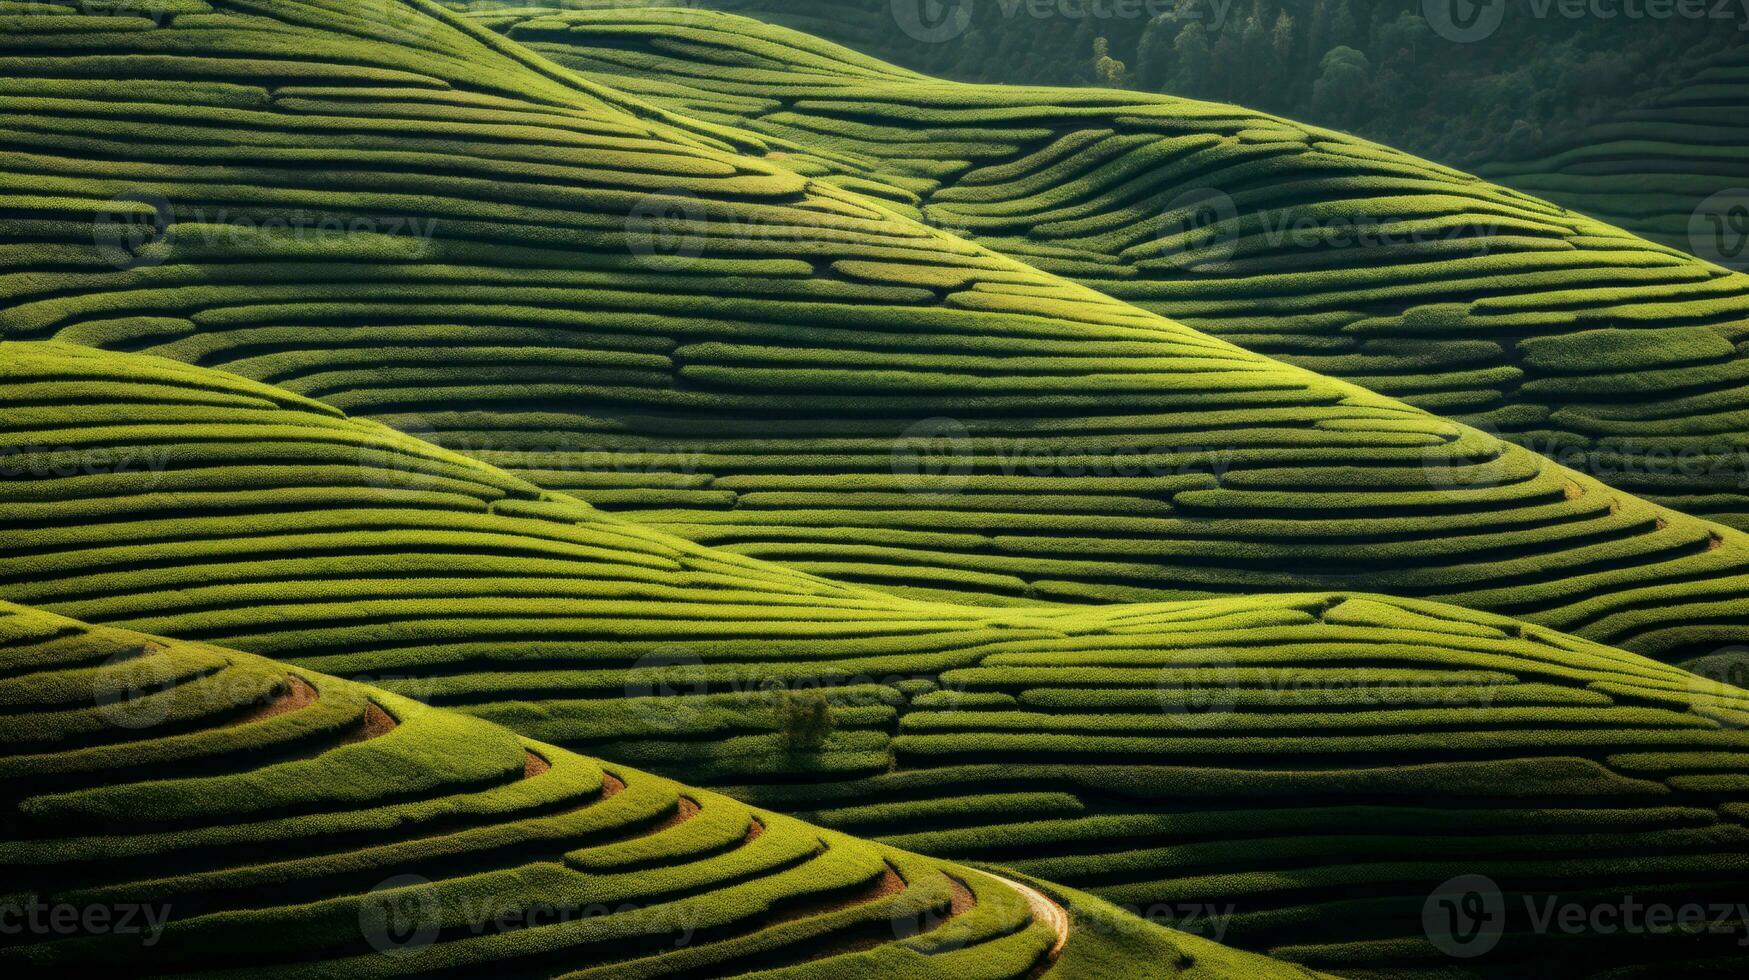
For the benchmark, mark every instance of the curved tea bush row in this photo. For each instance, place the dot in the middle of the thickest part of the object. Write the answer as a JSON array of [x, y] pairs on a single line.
[[183, 810], [1653, 169], [431, 226], [175, 499], [1285, 758], [1455, 295]]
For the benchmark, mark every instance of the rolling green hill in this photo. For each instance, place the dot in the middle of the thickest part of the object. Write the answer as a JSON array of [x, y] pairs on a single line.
[[1315, 765], [658, 350], [431, 227], [227, 816], [1616, 356]]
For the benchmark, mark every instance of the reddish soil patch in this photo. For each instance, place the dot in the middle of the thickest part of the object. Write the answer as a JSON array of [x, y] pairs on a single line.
[[1714, 543], [963, 899], [375, 724], [884, 885], [684, 811], [533, 765], [294, 695], [755, 830], [611, 786]]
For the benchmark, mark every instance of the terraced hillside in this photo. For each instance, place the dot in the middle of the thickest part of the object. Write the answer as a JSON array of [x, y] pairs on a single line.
[[232, 817], [1616, 356], [1656, 169], [801, 376], [1288, 759]]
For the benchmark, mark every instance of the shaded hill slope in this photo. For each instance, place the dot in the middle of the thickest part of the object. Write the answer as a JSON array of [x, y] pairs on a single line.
[[1316, 764], [232, 817], [798, 375], [1616, 356], [1667, 169]]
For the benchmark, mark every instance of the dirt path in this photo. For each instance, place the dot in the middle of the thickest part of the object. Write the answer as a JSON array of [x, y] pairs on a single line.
[[1044, 908]]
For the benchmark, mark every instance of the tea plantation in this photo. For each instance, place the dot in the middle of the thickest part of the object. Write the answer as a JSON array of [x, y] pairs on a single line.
[[421, 461], [1316, 764], [431, 226], [1616, 356], [233, 818]]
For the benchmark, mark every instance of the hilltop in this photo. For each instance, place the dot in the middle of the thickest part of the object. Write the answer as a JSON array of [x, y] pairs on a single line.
[[1283, 758], [1618, 357], [548, 276], [233, 817], [528, 421]]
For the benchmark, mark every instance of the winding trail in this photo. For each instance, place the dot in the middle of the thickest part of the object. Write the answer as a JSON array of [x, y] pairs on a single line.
[[1046, 908]]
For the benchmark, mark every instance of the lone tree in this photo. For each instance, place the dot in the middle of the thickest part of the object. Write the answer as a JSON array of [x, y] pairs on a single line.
[[805, 718]]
